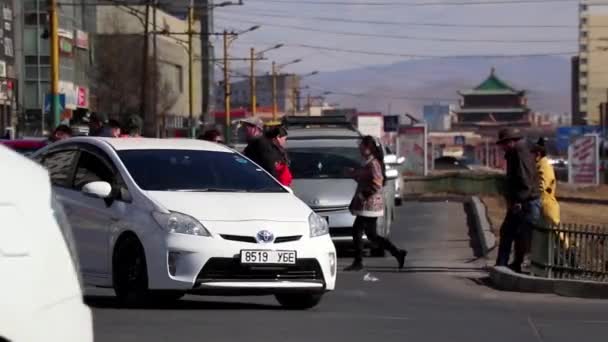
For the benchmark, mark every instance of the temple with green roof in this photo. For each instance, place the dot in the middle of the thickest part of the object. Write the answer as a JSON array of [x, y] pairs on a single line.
[[492, 105]]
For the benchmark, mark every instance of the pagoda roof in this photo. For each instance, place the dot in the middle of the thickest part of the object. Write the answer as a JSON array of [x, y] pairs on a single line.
[[492, 110], [492, 85]]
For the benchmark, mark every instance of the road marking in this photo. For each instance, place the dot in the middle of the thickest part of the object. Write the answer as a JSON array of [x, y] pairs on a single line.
[[535, 330]]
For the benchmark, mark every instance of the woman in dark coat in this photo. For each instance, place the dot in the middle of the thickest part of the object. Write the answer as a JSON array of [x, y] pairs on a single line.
[[368, 203]]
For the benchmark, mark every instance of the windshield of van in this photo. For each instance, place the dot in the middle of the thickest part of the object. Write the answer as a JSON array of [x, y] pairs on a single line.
[[196, 171], [323, 162]]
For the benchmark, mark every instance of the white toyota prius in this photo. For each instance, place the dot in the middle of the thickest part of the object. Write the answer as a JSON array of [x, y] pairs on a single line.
[[161, 218]]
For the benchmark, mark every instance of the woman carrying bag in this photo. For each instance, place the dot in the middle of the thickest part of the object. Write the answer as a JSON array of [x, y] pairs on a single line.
[[368, 203]]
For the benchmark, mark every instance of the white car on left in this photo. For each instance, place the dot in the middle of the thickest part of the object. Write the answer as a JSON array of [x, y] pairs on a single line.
[[40, 291], [161, 218]]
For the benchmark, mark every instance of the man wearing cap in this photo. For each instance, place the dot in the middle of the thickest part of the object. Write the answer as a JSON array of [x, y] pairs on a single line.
[[523, 198], [259, 148]]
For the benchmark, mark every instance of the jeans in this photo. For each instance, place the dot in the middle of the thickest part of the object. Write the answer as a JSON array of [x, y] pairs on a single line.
[[368, 225], [517, 229]]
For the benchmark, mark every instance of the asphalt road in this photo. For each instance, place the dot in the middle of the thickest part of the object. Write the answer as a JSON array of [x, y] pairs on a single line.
[[441, 295]]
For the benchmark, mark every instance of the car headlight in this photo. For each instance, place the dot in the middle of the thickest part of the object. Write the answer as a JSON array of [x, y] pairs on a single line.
[[179, 223], [318, 225]]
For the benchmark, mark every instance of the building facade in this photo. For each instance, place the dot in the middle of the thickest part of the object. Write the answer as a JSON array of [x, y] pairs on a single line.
[[492, 105], [33, 62], [120, 39], [8, 73], [287, 93], [592, 60], [438, 117]]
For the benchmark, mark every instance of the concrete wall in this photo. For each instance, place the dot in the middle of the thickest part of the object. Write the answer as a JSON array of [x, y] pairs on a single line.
[[172, 50]]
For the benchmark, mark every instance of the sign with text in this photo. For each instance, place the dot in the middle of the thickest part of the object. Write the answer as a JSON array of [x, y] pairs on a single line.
[[412, 143], [82, 40], [371, 125], [584, 160]]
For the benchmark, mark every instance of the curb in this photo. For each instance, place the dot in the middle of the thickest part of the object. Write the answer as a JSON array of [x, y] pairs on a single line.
[[481, 224], [505, 279]]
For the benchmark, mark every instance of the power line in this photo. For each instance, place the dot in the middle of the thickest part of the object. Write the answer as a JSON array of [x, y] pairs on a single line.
[[410, 55], [285, 15], [405, 37], [416, 4]]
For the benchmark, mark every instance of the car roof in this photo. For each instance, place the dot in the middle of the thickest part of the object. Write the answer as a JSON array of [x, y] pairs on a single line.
[[123, 144], [322, 133], [322, 143]]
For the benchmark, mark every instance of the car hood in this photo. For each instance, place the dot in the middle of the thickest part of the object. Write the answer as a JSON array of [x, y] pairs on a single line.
[[216, 206], [325, 192]]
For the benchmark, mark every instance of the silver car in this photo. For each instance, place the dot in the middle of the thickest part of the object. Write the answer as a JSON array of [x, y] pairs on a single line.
[[319, 158]]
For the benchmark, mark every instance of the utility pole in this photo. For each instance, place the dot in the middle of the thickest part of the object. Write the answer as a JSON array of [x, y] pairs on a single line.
[[191, 69], [54, 40], [309, 104], [206, 12], [226, 88], [294, 98], [252, 83], [154, 72], [274, 92], [144, 73]]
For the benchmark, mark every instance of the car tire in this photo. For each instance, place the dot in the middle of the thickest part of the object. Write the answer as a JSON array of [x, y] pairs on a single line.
[[166, 297], [299, 301], [130, 274]]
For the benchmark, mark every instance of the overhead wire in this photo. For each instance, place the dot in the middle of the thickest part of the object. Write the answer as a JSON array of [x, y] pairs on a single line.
[[413, 4], [402, 37], [285, 15]]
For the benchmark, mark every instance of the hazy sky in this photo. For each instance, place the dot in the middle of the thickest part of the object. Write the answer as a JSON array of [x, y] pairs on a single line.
[[294, 24]]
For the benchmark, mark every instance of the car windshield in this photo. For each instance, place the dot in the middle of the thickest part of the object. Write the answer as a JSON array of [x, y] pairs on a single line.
[[323, 162], [196, 171]]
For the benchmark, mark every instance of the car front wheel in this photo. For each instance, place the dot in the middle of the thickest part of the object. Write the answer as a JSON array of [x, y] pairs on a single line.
[[130, 272], [299, 301]]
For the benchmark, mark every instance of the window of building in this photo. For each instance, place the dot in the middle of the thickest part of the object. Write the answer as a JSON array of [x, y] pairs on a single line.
[[584, 74], [30, 96], [584, 34]]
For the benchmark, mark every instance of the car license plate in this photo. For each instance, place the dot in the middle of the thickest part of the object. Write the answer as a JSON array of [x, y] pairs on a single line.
[[268, 257]]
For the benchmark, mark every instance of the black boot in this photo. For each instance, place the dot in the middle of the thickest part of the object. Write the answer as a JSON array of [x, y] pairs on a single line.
[[357, 265], [400, 256]]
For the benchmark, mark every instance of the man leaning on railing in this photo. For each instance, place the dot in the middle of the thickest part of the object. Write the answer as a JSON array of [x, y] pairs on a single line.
[[523, 198]]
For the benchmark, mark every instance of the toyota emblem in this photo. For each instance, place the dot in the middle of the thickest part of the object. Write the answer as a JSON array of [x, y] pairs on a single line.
[[264, 236]]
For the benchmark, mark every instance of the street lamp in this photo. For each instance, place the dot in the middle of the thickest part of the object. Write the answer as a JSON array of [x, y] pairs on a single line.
[[276, 67], [254, 56]]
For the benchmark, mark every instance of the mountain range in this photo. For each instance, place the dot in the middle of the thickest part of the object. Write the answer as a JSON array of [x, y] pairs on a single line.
[[404, 87]]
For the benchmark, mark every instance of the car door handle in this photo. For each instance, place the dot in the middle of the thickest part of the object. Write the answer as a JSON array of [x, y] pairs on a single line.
[[114, 219]]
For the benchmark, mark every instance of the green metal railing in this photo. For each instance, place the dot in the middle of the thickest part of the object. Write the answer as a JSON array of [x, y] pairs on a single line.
[[570, 251]]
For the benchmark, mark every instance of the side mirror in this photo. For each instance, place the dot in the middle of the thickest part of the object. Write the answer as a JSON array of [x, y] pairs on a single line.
[[101, 190], [391, 174]]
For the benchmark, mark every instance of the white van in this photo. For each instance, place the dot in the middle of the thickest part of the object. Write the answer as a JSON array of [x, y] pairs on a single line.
[[40, 292]]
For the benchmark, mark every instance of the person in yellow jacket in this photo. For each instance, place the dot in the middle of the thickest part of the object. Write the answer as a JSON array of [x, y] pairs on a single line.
[[547, 184]]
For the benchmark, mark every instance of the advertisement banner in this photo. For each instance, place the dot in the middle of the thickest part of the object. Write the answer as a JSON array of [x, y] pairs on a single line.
[[413, 147], [82, 40], [584, 160], [371, 125], [83, 97]]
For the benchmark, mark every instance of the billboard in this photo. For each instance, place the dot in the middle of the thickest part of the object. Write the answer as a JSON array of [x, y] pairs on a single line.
[[412, 142], [567, 133], [584, 160]]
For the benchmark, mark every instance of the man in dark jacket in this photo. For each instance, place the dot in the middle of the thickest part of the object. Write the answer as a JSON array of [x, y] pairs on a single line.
[[523, 198], [259, 148]]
